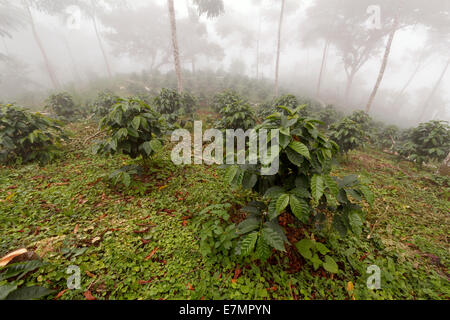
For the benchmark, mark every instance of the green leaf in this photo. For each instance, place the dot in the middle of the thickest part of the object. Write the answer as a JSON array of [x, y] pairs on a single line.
[[231, 173], [300, 148], [355, 222], [330, 265], [322, 248], [331, 184], [282, 203], [29, 293], [273, 238], [274, 192], [249, 180], [304, 247], [248, 243], [6, 289], [368, 195], [263, 251], [156, 145], [299, 208], [317, 187], [147, 147], [294, 157], [136, 122], [248, 225]]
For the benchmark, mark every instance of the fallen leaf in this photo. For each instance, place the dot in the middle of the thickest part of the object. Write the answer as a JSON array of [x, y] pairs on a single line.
[[6, 259], [190, 287], [90, 275], [76, 229], [59, 295], [151, 254], [88, 295]]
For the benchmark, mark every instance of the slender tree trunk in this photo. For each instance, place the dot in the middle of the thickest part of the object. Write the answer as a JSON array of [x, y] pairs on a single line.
[[277, 65], [257, 48], [72, 59], [433, 92], [383, 67], [348, 88], [48, 66], [99, 40], [193, 66], [176, 51], [322, 67]]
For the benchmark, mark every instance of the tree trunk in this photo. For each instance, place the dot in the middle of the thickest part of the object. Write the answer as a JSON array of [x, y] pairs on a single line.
[[48, 66], [99, 40], [322, 67], [349, 87], [433, 92], [176, 51], [383, 67], [6, 47], [277, 65], [413, 75], [72, 59], [257, 48]]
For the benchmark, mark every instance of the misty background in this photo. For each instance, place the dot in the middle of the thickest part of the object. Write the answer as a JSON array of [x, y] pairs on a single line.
[[330, 50]]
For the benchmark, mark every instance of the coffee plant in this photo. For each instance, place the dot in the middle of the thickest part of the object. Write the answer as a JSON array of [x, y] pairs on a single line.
[[226, 98], [134, 128], [27, 137], [329, 116], [62, 106], [169, 103], [388, 137], [429, 141], [235, 113], [104, 104], [11, 282], [302, 187], [348, 134]]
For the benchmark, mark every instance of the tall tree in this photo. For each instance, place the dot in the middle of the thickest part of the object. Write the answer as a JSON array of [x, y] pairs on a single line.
[[211, 8], [99, 39], [434, 90], [277, 64], [48, 66], [176, 51]]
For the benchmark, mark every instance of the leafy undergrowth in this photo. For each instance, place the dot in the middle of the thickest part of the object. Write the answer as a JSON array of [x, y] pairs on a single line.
[[147, 245]]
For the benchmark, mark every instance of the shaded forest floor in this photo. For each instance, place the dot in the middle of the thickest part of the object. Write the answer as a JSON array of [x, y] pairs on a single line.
[[133, 246]]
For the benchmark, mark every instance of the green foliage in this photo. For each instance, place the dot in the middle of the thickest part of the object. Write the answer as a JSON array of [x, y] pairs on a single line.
[[226, 98], [169, 103], [329, 116], [26, 137], [429, 141], [104, 104], [302, 186], [62, 106], [388, 137], [134, 129], [13, 289], [235, 113], [211, 8], [316, 253], [348, 134]]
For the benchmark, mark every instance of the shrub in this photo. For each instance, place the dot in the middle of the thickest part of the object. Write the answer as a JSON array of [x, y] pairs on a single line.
[[348, 134], [134, 129], [169, 103], [104, 104], [237, 115], [26, 137], [62, 106], [388, 137], [302, 187], [329, 116], [429, 141], [226, 98]]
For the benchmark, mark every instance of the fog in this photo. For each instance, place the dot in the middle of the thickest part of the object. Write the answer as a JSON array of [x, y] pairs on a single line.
[[336, 42]]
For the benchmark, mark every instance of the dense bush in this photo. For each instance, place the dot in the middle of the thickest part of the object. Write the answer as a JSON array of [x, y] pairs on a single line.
[[235, 113], [429, 141], [62, 106], [26, 137], [169, 103], [134, 129], [104, 104], [329, 115], [302, 187], [388, 137], [348, 134]]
